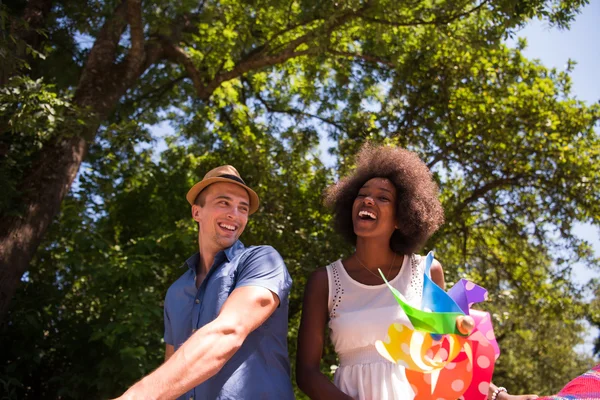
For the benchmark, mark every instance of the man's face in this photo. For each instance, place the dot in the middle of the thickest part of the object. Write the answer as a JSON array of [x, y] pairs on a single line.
[[224, 215]]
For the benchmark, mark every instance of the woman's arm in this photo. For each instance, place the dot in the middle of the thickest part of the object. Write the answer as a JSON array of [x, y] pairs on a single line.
[[437, 274], [505, 396], [311, 339]]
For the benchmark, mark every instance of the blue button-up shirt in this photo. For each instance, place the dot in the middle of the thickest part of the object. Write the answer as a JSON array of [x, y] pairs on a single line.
[[260, 369]]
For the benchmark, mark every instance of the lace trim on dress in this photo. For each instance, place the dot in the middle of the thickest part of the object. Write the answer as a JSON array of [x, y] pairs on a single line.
[[337, 292], [416, 279], [415, 291]]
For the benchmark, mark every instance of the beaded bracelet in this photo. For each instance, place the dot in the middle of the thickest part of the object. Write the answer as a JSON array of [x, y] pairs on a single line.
[[497, 392]]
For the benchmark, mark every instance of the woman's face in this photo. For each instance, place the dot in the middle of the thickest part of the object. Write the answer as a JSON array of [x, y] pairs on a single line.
[[374, 209]]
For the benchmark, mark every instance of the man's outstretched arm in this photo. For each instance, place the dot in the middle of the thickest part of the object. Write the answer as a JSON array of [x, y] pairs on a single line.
[[207, 350]]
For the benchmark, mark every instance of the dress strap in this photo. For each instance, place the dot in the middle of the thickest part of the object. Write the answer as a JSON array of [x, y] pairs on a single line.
[[335, 288], [417, 268]]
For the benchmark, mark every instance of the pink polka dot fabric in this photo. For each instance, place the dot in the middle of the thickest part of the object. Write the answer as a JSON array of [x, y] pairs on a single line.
[[467, 375], [447, 366]]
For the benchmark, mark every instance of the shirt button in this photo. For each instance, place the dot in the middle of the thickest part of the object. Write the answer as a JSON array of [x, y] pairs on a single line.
[[197, 302]]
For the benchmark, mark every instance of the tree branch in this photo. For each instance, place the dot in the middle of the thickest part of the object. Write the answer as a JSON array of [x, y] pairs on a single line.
[[366, 57], [297, 112], [103, 53], [252, 65], [438, 157], [135, 57], [443, 152], [289, 29], [262, 59], [146, 100], [255, 60], [418, 21], [482, 190], [175, 53]]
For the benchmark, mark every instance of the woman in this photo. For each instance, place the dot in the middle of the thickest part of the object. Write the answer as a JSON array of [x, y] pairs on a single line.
[[387, 208]]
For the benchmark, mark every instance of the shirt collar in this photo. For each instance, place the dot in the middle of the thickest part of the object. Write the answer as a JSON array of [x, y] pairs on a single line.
[[234, 250], [192, 262], [229, 252]]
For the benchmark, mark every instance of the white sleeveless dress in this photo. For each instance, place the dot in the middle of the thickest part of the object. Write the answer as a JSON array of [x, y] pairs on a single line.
[[359, 315]]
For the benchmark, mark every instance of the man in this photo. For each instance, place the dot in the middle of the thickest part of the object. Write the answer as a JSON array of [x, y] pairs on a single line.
[[226, 316]]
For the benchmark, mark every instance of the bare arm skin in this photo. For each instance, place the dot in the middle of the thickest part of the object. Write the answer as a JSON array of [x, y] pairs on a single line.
[[437, 274], [506, 396], [207, 350], [311, 339]]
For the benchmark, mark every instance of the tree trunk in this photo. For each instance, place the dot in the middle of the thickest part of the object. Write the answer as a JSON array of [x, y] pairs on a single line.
[[49, 180], [102, 83], [44, 191]]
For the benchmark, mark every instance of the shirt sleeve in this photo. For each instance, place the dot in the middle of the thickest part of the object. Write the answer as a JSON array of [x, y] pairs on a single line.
[[264, 267], [168, 331]]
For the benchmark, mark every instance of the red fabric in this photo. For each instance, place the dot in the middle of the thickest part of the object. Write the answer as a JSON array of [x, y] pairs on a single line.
[[584, 387]]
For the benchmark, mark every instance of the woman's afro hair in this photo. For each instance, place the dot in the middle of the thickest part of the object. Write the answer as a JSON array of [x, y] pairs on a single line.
[[419, 212]]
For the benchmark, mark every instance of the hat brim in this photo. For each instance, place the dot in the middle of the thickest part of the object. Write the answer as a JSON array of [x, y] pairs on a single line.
[[200, 186]]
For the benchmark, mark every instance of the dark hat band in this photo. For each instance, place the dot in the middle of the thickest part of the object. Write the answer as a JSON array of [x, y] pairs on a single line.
[[233, 178]]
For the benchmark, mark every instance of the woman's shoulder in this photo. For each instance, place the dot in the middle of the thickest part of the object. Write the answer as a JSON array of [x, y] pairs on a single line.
[[436, 271], [319, 273], [317, 286], [331, 267], [319, 278]]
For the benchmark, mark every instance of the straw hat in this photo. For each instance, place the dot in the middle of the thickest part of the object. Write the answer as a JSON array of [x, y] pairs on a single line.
[[224, 173]]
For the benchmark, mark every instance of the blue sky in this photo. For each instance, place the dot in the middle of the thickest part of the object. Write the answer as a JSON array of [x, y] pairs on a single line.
[[554, 47], [581, 43]]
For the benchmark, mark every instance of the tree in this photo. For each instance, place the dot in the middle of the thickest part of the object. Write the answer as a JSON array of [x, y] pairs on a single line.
[[140, 53], [514, 153], [594, 314]]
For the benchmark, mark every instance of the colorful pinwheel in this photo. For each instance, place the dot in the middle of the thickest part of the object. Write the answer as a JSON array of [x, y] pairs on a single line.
[[450, 350]]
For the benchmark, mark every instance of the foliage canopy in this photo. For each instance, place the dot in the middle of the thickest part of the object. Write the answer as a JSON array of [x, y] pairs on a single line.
[[259, 85]]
